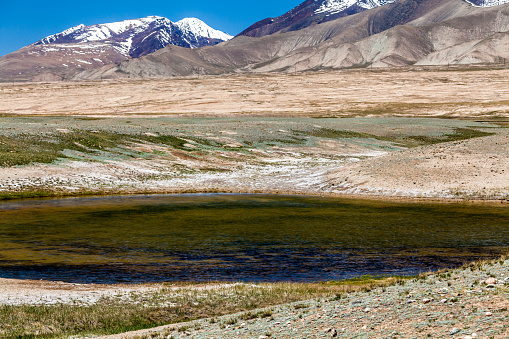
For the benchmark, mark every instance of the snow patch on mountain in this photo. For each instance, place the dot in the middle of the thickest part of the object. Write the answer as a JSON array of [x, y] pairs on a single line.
[[201, 29], [329, 7], [54, 37], [487, 3], [133, 38]]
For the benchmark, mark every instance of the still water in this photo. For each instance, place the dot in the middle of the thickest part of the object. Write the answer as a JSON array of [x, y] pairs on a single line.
[[205, 237]]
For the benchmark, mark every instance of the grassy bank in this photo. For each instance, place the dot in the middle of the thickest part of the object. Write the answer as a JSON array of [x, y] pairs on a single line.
[[170, 304]]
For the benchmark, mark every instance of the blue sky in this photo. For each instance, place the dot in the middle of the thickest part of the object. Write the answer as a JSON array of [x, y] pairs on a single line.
[[24, 22]]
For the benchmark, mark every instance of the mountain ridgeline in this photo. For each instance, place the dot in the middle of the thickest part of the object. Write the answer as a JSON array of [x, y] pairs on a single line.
[[62, 55], [317, 34], [405, 32]]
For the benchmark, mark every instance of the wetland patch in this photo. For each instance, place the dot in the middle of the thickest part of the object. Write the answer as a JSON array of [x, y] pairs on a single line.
[[209, 237]]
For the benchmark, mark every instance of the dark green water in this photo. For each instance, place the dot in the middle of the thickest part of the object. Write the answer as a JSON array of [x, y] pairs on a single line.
[[240, 237]]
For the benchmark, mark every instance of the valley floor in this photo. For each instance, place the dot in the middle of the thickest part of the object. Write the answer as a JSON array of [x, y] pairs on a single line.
[[310, 133], [366, 133]]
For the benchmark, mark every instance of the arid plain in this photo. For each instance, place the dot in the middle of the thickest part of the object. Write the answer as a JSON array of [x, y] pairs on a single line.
[[410, 132]]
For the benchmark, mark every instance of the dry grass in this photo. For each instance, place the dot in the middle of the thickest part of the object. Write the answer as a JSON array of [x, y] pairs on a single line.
[[168, 305]]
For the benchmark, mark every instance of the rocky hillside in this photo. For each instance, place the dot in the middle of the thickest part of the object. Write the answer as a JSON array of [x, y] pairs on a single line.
[[62, 55], [406, 32], [311, 12]]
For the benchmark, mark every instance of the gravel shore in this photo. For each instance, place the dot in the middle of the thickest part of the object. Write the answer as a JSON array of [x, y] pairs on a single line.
[[470, 302]]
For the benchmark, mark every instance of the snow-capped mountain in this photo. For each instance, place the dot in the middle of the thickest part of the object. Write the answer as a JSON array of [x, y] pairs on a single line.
[[335, 6], [134, 38], [487, 3], [309, 13], [312, 12], [63, 55], [199, 28]]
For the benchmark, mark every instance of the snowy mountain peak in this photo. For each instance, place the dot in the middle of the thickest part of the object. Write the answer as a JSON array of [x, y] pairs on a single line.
[[137, 37], [335, 6], [99, 32], [54, 37], [487, 3], [199, 28]]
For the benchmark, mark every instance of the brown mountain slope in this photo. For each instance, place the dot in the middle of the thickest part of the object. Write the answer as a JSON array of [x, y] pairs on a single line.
[[402, 33], [282, 51], [422, 41], [56, 62]]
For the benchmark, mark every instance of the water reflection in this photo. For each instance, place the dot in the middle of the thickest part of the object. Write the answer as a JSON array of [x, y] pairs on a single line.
[[240, 237]]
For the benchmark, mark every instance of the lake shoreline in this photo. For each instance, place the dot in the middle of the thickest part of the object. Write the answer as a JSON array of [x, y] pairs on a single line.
[[8, 197]]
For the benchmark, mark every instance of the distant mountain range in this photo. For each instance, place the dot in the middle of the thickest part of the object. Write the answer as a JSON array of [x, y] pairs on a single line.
[[83, 47], [317, 34]]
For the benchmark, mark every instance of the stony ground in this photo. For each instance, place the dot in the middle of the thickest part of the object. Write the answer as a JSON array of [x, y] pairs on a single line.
[[471, 169], [462, 303]]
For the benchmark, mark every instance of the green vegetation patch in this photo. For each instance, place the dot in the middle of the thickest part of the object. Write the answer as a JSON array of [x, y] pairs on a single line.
[[407, 141], [25, 149], [457, 135]]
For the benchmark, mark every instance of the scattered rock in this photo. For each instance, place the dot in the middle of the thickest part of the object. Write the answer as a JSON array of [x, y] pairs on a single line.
[[454, 331], [491, 281], [443, 301], [426, 300], [334, 333], [488, 314], [367, 309]]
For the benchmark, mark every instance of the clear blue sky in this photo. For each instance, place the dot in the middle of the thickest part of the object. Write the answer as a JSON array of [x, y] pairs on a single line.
[[26, 21]]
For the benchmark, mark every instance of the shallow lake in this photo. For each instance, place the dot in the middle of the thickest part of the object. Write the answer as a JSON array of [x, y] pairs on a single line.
[[208, 237]]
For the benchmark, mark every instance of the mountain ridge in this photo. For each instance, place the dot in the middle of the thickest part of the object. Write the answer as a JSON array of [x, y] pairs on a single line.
[[188, 32], [402, 33], [312, 12], [62, 55]]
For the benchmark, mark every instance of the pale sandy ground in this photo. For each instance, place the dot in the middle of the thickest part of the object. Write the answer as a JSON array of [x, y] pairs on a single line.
[[470, 169], [39, 292], [475, 168], [481, 93]]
